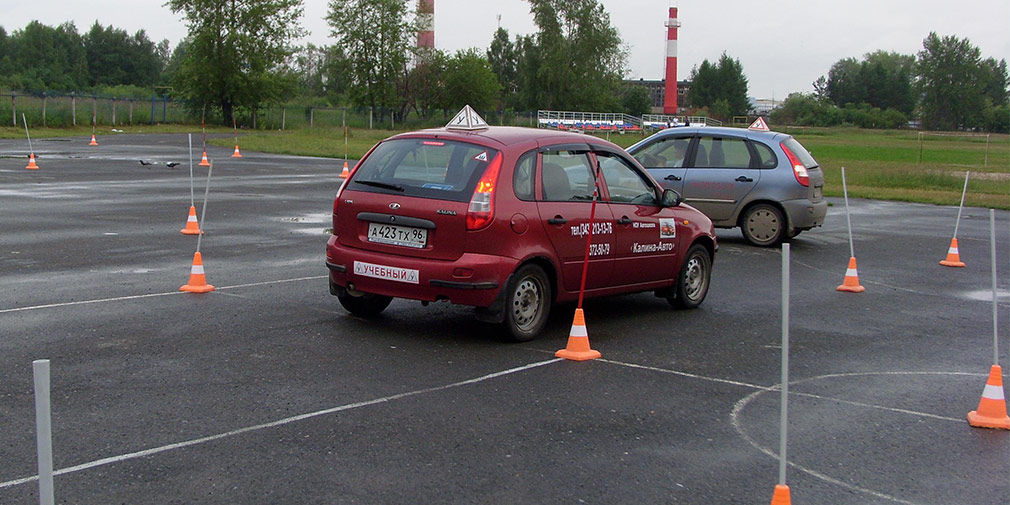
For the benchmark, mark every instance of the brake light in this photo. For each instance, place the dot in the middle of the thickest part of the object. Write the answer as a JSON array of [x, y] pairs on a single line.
[[799, 170], [481, 210]]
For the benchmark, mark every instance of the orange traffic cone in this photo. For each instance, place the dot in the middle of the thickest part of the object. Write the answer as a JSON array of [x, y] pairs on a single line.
[[192, 225], [578, 341], [781, 496], [851, 282], [236, 154], [991, 411], [31, 162], [197, 279], [953, 258], [93, 141], [204, 162], [345, 172]]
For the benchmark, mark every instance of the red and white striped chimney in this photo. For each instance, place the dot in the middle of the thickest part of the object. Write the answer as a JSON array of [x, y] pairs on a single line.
[[426, 17], [670, 96]]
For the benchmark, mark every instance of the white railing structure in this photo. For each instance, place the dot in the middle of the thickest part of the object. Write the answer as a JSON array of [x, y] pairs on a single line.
[[663, 121], [588, 121]]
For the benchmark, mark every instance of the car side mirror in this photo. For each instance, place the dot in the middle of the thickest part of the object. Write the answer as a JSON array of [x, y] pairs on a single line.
[[671, 198]]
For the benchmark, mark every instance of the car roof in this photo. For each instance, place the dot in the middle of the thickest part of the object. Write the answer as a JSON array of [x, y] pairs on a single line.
[[507, 136], [721, 130]]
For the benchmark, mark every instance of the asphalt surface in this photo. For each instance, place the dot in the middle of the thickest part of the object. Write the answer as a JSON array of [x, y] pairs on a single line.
[[265, 391]]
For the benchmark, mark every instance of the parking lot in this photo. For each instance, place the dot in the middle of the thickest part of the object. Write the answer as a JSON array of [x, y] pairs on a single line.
[[266, 391]]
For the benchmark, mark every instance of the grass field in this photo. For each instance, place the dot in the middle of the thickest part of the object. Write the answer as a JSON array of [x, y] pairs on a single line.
[[879, 164]]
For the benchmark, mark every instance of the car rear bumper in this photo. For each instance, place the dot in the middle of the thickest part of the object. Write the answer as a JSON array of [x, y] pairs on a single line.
[[804, 214], [472, 279]]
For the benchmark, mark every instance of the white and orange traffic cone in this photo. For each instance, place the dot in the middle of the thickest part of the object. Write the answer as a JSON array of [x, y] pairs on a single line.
[[204, 162], [953, 258], [197, 279], [578, 341], [851, 282], [781, 495], [192, 225], [236, 154], [31, 162], [345, 172], [991, 411], [93, 142]]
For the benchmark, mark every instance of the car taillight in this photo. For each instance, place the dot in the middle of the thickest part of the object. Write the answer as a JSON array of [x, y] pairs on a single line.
[[481, 210], [336, 198], [799, 170]]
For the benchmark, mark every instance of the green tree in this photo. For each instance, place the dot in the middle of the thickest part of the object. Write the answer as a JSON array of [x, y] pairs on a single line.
[[843, 82], [469, 80], [636, 100], [46, 58], [115, 58], [723, 81], [321, 72], [882, 80], [576, 59], [376, 36], [501, 56], [951, 83], [236, 51], [428, 83]]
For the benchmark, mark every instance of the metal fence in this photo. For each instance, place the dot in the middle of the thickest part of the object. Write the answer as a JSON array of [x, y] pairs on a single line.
[[76, 109], [73, 110]]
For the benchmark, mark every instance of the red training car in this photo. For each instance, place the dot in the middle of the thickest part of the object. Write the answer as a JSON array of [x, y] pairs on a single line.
[[498, 218]]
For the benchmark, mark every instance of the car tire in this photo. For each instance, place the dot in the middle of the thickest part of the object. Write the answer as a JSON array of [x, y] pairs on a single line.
[[527, 303], [694, 278], [764, 225], [363, 304]]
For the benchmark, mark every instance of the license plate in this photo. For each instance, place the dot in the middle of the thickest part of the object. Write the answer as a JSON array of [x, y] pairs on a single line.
[[388, 273], [405, 236]]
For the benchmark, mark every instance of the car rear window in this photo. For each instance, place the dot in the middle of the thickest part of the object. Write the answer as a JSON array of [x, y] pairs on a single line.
[[800, 152], [423, 167]]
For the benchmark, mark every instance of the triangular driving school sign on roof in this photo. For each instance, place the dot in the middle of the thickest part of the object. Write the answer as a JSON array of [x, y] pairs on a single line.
[[467, 119], [759, 124]]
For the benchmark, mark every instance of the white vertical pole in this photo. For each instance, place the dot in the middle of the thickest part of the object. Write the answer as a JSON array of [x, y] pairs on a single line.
[[848, 220], [992, 251], [30, 149], [203, 212], [192, 199], [784, 413], [44, 431], [967, 174]]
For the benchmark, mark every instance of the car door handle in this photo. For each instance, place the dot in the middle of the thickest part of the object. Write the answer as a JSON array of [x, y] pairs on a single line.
[[624, 220], [744, 178], [557, 220], [672, 177]]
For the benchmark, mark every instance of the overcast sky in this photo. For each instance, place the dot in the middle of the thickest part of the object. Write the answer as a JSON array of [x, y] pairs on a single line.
[[783, 45]]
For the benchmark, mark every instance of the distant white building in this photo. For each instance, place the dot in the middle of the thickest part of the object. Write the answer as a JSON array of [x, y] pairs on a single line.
[[763, 106]]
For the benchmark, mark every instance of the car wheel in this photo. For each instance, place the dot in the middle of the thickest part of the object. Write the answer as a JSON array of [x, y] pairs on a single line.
[[363, 304], [693, 279], [527, 303], [763, 225]]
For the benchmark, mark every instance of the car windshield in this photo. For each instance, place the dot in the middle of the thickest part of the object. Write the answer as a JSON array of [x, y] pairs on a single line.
[[424, 167]]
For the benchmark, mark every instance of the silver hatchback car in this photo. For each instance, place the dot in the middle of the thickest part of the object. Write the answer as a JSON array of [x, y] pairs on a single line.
[[764, 182]]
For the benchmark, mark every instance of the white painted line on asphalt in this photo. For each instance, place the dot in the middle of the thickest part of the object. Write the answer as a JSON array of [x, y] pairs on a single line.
[[280, 422], [151, 295], [740, 405]]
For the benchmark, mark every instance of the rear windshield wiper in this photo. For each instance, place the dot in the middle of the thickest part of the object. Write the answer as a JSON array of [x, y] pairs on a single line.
[[383, 185]]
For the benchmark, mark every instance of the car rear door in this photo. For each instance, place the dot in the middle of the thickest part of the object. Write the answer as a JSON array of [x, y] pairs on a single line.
[[722, 174], [564, 201]]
